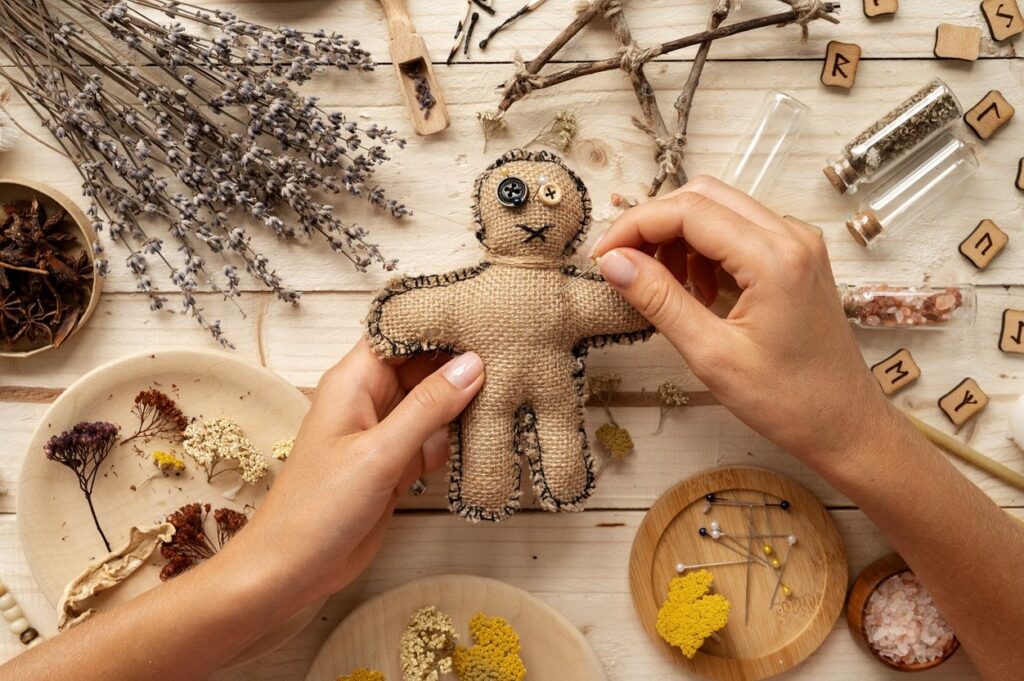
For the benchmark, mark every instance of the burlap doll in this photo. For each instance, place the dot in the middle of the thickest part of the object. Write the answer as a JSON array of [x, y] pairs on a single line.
[[532, 319]]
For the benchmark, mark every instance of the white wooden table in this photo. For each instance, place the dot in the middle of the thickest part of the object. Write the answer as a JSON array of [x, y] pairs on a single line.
[[578, 562]]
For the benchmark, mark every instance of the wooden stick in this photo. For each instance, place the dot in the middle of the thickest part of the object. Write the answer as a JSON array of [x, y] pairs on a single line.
[[971, 456]]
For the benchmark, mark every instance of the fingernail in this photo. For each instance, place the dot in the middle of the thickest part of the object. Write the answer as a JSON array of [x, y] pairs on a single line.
[[463, 370], [617, 269], [593, 249]]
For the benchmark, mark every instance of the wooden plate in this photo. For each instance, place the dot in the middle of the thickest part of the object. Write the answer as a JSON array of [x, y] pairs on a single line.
[[56, 529], [369, 637], [76, 222], [776, 638]]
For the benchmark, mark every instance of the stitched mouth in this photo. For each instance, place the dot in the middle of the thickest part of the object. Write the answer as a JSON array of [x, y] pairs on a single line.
[[539, 233]]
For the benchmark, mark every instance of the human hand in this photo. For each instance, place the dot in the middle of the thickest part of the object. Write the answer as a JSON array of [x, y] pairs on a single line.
[[784, 360], [372, 430]]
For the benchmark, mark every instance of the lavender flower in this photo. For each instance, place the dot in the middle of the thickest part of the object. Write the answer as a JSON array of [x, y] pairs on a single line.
[[83, 449], [214, 132]]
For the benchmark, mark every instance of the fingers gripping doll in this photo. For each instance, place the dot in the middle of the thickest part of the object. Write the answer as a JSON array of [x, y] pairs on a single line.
[[532, 318]]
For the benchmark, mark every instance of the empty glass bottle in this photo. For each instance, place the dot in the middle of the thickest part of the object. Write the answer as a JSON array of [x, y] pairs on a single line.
[[763, 150], [897, 202], [879, 148]]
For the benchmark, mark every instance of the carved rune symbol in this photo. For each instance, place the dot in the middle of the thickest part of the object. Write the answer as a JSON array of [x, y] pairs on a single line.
[[999, 13], [901, 373], [991, 108], [968, 399], [837, 66], [987, 240], [1016, 338]]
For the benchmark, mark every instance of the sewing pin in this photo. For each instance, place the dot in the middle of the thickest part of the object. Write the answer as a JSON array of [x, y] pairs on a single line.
[[582, 273], [738, 548], [786, 591], [683, 567], [750, 547], [710, 499]]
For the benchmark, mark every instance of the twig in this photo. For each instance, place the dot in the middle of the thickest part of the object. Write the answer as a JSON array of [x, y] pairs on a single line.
[[684, 104], [484, 6], [469, 33], [521, 12]]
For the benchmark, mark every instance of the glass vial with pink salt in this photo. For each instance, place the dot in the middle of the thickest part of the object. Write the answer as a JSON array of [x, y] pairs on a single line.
[[871, 154], [941, 166], [884, 306]]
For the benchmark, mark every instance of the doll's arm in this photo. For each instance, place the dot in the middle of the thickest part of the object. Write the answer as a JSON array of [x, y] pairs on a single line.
[[600, 311], [414, 314]]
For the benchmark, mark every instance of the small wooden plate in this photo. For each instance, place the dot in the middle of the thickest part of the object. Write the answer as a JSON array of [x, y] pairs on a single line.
[[76, 222], [866, 583], [56, 529], [552, 648], [776, 638]]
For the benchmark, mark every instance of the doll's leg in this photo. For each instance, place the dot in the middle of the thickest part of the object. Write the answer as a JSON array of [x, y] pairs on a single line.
[[485, 468], [560, 462]]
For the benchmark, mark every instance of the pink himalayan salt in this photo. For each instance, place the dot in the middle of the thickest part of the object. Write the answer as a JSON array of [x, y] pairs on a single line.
[[902, 623]]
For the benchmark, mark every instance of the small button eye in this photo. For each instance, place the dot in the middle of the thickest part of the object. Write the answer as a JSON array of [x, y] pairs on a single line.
[[512, 192], [550, 194]]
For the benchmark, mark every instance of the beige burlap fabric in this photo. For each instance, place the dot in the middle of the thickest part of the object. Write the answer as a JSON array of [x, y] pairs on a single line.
[[531, 319]]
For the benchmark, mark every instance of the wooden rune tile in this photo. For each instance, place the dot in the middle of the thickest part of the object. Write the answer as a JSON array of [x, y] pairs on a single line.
[[896, 372], [983, 244], [963, 402], [841, 62]]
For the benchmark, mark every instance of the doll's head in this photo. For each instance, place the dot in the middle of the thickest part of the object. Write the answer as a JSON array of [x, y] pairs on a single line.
[[529, 204]]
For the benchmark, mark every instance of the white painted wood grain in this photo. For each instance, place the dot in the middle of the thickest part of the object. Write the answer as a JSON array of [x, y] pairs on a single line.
[[435, 175]]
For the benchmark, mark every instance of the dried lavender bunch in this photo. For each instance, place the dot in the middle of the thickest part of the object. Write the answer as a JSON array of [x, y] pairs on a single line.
[[211, 131], [83, 449], [159, 416], [191, 544]]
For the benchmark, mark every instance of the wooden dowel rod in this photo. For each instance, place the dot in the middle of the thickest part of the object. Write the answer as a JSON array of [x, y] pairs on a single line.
[[971, 456]]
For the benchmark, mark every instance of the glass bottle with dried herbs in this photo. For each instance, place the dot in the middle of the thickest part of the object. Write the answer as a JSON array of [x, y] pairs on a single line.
[[893, 137]]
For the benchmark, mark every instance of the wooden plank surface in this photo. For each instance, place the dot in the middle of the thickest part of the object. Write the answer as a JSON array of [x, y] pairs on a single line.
[[578, 562]]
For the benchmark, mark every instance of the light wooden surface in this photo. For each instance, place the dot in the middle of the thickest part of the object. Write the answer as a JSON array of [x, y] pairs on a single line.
[[768, 633], [578, 563], [551, 647]]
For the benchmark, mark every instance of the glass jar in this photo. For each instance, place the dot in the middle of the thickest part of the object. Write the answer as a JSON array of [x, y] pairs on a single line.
[[879, 148], [938, 168], [885, 306], [763, 150]]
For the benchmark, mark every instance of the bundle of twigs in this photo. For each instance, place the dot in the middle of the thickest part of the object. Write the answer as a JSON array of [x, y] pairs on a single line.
[[670, 145], [207, 128]]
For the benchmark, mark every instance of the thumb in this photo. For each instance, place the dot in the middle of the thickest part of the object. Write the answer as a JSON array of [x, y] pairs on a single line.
[[435, 401], [650, 287]]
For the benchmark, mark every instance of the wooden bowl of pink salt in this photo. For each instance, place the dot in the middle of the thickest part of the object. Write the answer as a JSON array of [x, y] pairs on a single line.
[[893, 616]]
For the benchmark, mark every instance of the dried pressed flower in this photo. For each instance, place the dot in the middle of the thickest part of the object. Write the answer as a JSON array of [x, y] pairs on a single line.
[[363, 674], [670, 397], [616, 440], [427, 645], [168, 463], [191, 544], [492, 124], [211, 443], [690, 614], [45, 275], [188, 131], [283, 449], [158, 416], [559, 133], [495, 653], [83, 449]]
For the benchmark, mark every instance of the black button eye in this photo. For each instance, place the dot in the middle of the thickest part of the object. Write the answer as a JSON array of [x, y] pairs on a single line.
[[512, 192]]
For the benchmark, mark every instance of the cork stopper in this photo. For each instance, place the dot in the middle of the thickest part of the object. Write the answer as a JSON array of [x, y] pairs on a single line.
[[864, 227], [841, 175]]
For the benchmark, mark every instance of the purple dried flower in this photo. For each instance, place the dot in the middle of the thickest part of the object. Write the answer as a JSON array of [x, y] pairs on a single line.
[[83, 449]]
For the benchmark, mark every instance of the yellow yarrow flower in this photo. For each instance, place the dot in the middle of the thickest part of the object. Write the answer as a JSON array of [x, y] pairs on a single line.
[[363, 674], [689, 614], [616, 440], [495, 655], [168, 463]]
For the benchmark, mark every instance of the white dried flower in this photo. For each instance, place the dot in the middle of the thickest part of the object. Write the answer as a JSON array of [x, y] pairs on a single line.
[[427, 645], [211, 442], [281, 450]]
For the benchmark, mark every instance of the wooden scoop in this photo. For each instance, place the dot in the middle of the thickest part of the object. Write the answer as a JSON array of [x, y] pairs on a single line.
[[415, 71]]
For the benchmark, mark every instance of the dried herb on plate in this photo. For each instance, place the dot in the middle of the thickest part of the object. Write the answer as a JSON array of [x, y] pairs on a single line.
[[46, 276], [159, 416], [191, 544], [215, 441], [83, 449]]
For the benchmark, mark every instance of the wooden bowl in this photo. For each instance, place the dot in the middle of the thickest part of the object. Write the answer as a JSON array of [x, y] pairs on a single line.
[[865, 585], [51, 199]]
